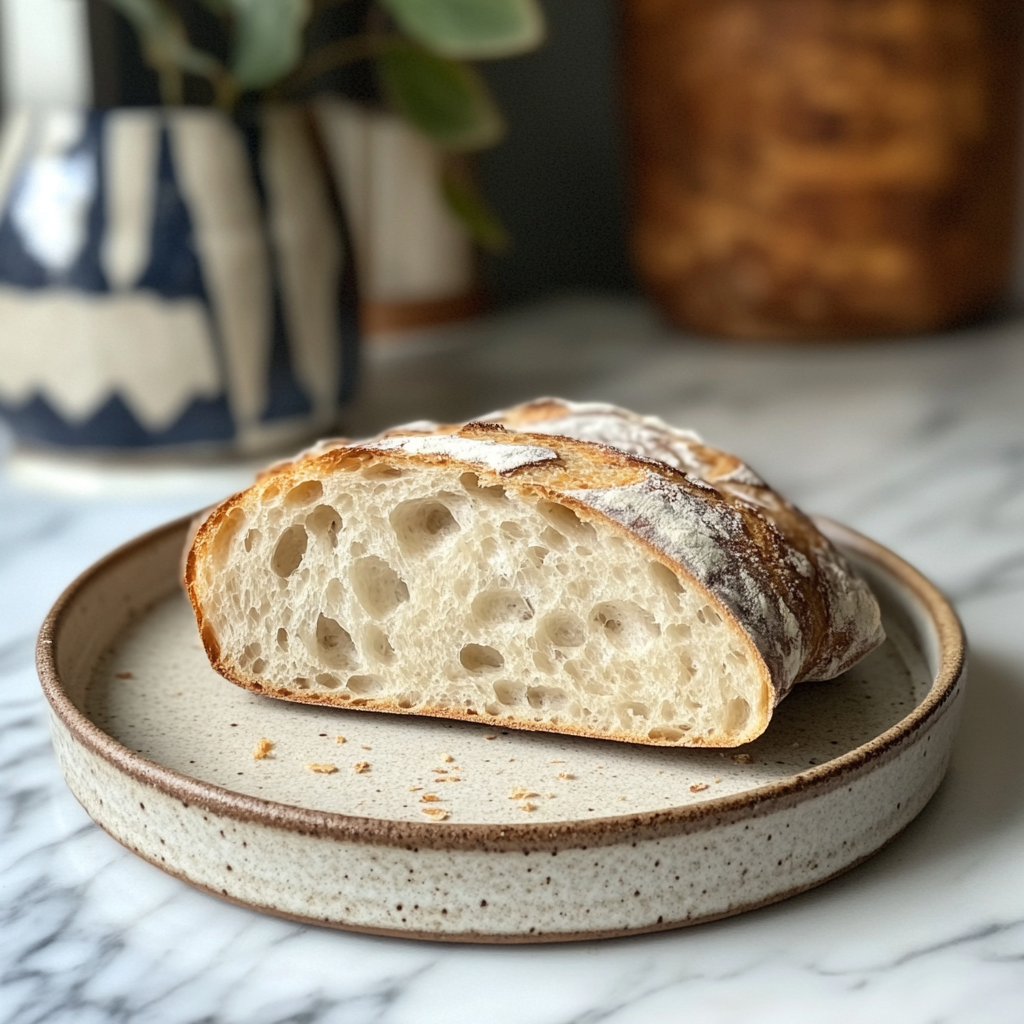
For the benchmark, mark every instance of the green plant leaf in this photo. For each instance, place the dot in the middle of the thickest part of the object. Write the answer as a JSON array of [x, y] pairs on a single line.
[[165, 43], [267, 40], [471, 29], [445, 99], [466, 202]]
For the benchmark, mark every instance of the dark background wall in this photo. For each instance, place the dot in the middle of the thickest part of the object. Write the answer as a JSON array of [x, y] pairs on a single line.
[[558, 176], [556, 179]]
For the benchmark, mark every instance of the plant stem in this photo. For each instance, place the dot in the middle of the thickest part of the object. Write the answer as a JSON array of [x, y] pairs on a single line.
[[171, 85], [343, 51]]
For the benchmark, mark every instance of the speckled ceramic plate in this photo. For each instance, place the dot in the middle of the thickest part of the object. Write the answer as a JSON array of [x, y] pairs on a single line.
[[452, 830]]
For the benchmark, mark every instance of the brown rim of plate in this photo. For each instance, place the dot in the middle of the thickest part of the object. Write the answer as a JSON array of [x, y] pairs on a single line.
[[541, 836]]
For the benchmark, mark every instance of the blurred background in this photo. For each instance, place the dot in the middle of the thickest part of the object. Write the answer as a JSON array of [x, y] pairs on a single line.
[[557, 178], [196, 172]]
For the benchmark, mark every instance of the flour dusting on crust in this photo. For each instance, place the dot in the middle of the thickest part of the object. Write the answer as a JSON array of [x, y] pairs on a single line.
[[502, 458]]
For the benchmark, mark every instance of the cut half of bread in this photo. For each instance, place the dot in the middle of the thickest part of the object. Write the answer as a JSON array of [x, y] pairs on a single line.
[[528, 580]]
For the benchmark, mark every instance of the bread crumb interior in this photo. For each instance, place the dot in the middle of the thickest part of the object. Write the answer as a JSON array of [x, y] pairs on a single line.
[[417, 589]]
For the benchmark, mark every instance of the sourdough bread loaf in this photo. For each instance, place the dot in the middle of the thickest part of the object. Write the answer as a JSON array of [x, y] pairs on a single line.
[[529, 579]]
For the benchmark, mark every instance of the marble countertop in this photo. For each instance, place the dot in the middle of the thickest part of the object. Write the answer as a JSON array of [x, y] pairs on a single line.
[[918, 443]]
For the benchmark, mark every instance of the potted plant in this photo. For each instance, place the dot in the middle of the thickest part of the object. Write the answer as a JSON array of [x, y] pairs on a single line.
[[180, 276]]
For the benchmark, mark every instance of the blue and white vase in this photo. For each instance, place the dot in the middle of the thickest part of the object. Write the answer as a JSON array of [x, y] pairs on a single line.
[[171, 279]]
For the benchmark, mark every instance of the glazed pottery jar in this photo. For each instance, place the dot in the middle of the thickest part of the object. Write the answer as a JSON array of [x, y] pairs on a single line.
[[171, 280], [823, 168]]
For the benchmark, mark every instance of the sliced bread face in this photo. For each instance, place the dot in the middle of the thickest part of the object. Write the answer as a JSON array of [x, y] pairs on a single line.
[[525, 580]]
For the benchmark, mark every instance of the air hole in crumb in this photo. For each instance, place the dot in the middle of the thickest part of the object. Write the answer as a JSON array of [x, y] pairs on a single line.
[[509, 692], [382, 471], [300, 683], [282, 638], [513, 530], [269, 492], [325, 522], [365, 686], [563, 629], [497, 606], [410, 700], [226, 533], [327, 680], [678, 631], [305, 493], [335, 644], [378, 587], [553, 538], [251, 538], [334, 594], [668, 581], [377, 645], [624, 623], [667, 733], [258, 666], [478, 658], [708, 615], [628, 710], [737, 714], [471, 483], [488, 551], [543, 662], [421, 524], [546, 698], [565, 520], [289, 551], [537, 555]]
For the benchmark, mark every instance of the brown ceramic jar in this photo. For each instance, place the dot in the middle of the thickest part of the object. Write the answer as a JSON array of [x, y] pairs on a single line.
[[823, 168]]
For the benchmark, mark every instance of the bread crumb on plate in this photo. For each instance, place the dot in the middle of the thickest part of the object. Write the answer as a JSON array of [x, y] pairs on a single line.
[[322, 769], [263, 747], [437, 813]]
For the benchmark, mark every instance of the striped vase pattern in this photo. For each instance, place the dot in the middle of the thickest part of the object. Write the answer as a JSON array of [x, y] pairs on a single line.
[[171, 278]]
